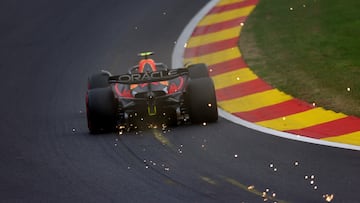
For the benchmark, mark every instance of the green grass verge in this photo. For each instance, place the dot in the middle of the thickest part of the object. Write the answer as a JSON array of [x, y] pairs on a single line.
[[309, 49]]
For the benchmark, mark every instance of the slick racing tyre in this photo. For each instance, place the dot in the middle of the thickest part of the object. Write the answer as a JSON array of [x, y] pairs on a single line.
[[201, 101], [98, 80], [101, 110], [199, 70]]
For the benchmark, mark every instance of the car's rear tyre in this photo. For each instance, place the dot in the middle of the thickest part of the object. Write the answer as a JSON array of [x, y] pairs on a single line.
[[199, 70], [98, 80], [101, 110], [201, 101]]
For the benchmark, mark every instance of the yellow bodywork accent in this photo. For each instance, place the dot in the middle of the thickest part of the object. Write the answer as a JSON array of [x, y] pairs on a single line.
[[152, 111], [233, 77], [350, 138], [254, 101], [225, 16], [214, 37], [215, 57], [302, 120]]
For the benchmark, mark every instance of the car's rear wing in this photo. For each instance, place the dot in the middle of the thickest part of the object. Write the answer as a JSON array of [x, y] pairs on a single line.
[[137, 78]]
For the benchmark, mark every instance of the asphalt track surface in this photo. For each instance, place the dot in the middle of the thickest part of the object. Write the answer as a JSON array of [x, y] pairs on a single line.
[[47, 51]]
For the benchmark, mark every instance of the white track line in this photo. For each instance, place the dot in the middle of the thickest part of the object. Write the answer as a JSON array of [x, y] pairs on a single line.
[[177, 61]]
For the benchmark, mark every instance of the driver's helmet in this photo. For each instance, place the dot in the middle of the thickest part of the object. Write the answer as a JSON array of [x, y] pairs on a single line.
[[147, 65]]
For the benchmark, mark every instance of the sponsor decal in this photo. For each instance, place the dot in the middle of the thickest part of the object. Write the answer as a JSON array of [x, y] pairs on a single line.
[[147, 76]]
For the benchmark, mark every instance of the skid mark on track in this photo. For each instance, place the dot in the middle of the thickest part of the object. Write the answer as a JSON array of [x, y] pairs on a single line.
[[208, 180]]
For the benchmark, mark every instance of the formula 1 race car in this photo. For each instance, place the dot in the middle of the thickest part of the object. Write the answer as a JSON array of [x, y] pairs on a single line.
[[150, 94]]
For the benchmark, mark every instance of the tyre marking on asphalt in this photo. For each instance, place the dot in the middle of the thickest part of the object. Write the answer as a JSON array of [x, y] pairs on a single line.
[[208, 180]]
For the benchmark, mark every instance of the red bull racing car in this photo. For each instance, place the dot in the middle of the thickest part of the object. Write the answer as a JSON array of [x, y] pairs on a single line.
[[150, 94]]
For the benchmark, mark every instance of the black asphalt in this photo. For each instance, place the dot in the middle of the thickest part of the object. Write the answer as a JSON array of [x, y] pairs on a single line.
[[47, 50]]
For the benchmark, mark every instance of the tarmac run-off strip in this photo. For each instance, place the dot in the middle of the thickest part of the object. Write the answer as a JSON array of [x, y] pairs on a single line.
[[241, 93]]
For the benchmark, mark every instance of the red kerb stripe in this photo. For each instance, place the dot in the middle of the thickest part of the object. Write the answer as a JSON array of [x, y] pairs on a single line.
[[219, 9], [275, 111], [242, 89], [337, 127], [227, 66], [210, 48], [206, 29]]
